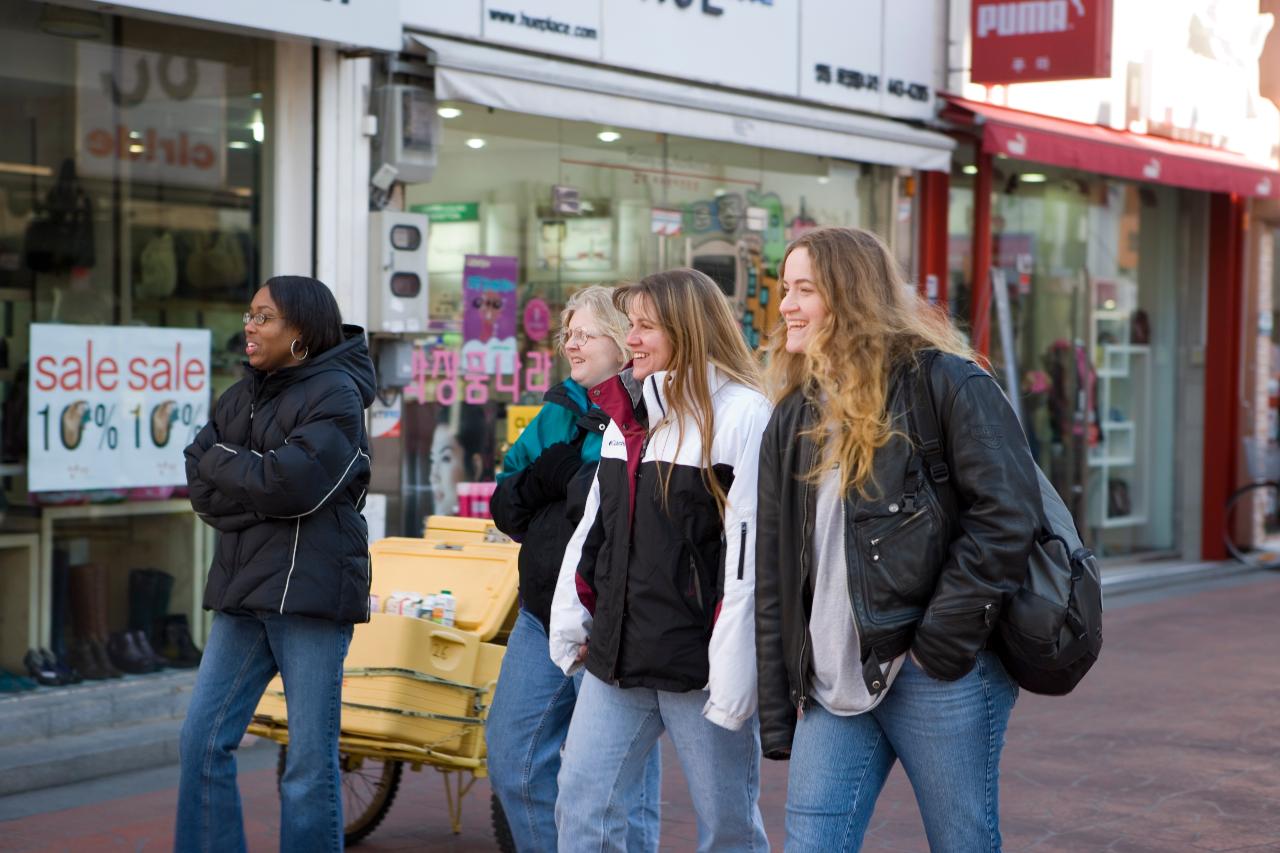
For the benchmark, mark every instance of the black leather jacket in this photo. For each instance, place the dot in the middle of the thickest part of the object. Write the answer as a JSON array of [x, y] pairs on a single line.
[[927, 573]]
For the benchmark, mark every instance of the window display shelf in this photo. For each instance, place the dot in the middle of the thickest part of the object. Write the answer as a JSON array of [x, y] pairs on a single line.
[[160, 543], [19, 597], [1118, 521]]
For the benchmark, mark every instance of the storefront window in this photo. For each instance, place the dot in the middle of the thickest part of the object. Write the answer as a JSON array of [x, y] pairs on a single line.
[[131, 188], [550, 206], [1084, 311]]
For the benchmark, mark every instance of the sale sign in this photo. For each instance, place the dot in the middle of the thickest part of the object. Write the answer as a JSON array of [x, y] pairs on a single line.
[[113, 406]]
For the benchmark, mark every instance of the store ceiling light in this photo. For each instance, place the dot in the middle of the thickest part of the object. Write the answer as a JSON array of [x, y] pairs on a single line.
[[26, 169], [823, 179], [448, 112], [970, 169], [608, 136], [239, 143], [1033, 178], [476, 143]]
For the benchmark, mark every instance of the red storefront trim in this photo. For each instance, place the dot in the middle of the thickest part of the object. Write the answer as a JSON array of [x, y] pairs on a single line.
[[1102, 150], [1223, 332], [935, 192]]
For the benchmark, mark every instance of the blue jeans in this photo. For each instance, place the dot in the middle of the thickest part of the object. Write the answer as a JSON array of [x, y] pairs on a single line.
[[242, 655], [612, 732], [525, 731], [948, 734]]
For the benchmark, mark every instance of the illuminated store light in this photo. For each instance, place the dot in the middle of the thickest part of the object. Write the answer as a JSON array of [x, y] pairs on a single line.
[[475, 142], [608, 136], [448, 112]]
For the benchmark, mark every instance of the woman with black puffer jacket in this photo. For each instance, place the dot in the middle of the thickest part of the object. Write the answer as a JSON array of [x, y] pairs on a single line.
[[281, 472], [540, 497]]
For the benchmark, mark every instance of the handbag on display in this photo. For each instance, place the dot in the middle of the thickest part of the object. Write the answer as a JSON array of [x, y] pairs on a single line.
[[218, 265], [159, 268], [60, 237]]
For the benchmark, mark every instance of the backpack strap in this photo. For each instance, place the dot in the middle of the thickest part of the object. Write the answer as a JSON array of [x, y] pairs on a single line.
[[928, 436], [925, 423]]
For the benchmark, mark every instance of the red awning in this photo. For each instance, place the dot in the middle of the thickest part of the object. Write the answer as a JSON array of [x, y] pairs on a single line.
[[1092, 148]]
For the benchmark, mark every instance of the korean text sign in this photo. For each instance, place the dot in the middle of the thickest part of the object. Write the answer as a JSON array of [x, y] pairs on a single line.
[[113, 407]]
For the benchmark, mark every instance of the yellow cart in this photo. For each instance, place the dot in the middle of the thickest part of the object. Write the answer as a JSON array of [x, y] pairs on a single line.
[[417, 692]]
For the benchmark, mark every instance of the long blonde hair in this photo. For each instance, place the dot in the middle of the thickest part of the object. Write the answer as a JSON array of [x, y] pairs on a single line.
[[875, 324], [696, 318]]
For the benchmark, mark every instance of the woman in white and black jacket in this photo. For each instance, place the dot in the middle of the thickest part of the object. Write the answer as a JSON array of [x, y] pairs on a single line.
[[656, 591], [280, 471]]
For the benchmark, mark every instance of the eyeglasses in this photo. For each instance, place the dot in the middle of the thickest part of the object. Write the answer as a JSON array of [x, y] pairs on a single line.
[[578, 337], [491, 302], [258, 319]]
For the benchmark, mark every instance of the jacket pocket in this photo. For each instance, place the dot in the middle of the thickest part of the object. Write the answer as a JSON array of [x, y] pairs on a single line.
[[900, 558], [693, 585]]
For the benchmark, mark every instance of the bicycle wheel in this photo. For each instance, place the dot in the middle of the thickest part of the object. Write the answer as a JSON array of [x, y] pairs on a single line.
[[369, 786], [1252, 531]]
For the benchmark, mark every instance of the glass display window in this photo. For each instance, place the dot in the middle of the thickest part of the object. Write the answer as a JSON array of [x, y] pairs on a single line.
[[131, 197], [535, 208], [1085, 305]]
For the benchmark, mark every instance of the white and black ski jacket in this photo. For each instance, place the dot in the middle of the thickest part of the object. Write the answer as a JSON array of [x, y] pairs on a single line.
[[664, 589], [281, 472]]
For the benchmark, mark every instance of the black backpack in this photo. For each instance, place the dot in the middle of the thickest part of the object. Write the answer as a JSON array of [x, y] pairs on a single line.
[[1050, 631]]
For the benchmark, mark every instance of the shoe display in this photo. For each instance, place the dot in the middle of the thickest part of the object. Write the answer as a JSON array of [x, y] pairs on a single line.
[[83, 659], [10, 683], [38, 669], [144, 646], [178, 647], [99, 652], [125, 655], [65, 671]]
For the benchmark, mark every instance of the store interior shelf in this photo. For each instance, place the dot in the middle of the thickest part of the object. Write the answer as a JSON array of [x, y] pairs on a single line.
[[1123, 521]]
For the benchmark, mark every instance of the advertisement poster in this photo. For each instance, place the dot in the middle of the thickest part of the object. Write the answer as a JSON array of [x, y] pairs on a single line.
[[489, 312], [113, 406]]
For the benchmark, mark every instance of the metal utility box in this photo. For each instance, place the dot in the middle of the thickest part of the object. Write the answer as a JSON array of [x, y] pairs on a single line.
[[397, 272]]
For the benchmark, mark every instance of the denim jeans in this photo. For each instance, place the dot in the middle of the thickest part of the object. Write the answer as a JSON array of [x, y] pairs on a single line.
[[612, 731], [242, 655], [525, 731], [948, 735]]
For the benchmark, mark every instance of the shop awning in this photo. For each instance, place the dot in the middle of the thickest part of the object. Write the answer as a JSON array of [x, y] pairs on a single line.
[[520, 82], [1121, 154]]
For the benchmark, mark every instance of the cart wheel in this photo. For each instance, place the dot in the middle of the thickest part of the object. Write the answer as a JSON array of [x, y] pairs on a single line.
[[369, 787], [501, 829]]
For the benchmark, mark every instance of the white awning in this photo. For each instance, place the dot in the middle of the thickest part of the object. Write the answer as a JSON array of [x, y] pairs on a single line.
[[520, 82]]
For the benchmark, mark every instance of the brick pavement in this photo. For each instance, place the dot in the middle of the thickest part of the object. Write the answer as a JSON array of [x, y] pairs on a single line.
[[1171, 744]]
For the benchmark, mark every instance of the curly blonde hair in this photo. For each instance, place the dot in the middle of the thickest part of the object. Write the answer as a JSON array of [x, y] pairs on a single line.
[[698, 321], [875, 324]]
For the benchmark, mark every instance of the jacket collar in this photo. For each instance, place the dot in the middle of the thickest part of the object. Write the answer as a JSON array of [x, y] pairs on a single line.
[[655, 389]]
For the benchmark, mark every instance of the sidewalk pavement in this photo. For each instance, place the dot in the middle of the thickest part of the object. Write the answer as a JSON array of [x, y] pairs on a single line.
[[1171, 744]]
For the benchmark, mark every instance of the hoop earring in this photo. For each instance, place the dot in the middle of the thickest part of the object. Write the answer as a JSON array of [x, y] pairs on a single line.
[[293, 351]]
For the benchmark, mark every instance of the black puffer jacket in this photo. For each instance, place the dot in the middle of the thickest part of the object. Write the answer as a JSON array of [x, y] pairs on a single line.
[[922, 576], [281, 471]]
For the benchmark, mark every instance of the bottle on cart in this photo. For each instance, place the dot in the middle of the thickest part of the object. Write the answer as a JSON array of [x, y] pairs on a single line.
[[448, 608]]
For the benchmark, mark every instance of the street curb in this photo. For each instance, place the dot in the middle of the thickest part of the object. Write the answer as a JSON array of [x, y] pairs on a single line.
[[1143, 578]]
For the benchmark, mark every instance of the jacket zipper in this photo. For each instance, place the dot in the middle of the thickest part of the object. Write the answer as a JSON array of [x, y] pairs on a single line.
[[804, 637], [875, 543], [742, 551]]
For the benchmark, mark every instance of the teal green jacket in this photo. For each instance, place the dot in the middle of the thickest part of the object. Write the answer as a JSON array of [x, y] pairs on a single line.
[[556, 422], [525, 510]]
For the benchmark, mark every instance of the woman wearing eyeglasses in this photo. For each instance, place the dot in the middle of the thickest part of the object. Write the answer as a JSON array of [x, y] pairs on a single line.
[[540, 496], [281, 472]]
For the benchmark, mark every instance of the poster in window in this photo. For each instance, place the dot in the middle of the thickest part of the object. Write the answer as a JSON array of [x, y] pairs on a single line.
[[489, 311]]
